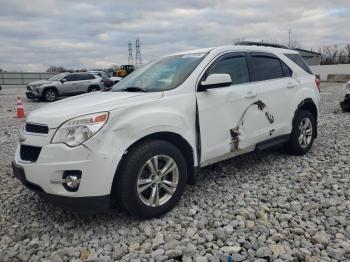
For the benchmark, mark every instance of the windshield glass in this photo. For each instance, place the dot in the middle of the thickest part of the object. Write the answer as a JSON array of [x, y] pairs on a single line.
[[161, 75], [57, 77]]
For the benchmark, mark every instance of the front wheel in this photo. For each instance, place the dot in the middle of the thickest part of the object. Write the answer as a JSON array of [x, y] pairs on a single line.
[[303, 133], [50, 95], [152, 179]]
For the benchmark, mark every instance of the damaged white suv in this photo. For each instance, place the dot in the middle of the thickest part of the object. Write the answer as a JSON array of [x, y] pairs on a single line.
[[141, 143]]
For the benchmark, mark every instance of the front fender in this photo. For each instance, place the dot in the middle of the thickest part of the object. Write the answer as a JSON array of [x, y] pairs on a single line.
[[128, 125]]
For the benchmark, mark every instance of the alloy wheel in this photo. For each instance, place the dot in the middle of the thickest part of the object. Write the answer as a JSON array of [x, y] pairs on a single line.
[[305, 132], [157, 180]]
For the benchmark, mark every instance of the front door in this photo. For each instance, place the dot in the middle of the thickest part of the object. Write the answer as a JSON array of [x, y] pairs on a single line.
[[67, 87], [224, 112]]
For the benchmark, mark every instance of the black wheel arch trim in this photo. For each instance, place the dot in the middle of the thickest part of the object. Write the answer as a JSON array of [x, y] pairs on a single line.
[[51, 88], [309, 105], [183, 146]]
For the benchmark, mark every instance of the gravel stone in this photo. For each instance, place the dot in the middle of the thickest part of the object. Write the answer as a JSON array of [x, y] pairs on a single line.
[[262, 206]]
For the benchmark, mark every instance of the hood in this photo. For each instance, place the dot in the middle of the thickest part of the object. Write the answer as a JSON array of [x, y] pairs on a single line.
[[54, 114], [40, 82]]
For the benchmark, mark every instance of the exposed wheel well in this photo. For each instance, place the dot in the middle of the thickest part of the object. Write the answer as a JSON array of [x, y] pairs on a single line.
[[308, 105], [172, 138]]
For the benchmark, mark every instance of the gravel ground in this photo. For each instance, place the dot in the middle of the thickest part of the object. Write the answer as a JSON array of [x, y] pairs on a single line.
[[262, 206]]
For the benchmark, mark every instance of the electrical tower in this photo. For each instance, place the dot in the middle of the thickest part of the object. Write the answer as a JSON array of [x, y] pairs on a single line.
[[130, 59], [138, 59]]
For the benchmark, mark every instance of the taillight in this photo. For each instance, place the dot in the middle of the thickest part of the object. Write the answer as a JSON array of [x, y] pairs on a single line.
[[318, 83]]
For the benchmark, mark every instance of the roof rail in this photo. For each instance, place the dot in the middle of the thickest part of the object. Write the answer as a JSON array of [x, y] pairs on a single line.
[[261, 44]]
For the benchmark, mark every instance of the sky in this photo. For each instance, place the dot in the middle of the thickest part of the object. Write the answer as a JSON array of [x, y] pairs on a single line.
[[35, 34]]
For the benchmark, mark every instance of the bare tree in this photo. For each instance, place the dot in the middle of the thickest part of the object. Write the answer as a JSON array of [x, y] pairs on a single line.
[[335, 55], [56, 69]]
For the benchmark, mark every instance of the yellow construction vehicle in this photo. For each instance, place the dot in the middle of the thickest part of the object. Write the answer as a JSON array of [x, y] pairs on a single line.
[[124, 70]]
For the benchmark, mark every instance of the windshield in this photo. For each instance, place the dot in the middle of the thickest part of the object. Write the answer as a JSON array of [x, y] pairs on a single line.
[[161, 75], [57, 77]]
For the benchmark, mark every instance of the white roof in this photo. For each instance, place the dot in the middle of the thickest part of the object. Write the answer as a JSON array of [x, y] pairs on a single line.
[[250, 48]]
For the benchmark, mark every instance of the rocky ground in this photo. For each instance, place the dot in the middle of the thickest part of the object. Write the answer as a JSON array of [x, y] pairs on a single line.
[[263, 206]]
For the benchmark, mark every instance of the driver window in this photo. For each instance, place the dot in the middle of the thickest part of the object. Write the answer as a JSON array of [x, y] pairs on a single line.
[[236, 67]]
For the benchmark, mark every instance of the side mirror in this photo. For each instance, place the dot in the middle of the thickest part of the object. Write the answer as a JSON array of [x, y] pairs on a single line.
[[214, 81], [63, 80]]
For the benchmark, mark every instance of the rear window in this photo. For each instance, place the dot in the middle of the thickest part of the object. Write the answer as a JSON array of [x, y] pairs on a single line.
[[266, 68], [296, 58], [86, 77]]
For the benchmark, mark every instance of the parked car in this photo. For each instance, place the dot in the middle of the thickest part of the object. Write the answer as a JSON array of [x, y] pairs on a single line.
[[115, 79], [345, 105], [141, 143], [64, 84], [105, 78]]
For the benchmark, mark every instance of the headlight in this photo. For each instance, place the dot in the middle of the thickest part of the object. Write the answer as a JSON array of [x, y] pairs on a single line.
[[78, 130], [36, 86]]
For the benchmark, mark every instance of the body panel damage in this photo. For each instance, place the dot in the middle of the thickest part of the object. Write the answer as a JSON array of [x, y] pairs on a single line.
[[235, 132]]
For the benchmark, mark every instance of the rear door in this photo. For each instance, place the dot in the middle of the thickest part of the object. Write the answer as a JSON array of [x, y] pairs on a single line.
[[83, 83], [274, 88]]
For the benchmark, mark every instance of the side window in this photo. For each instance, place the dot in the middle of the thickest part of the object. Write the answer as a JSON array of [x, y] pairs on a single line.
[[236, 67], [85, 77], [296, 58], [71, 77], [265, 68], [90, 76], [287, 72]]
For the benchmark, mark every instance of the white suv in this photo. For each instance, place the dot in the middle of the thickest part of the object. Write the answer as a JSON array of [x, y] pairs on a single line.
[[141, 143]]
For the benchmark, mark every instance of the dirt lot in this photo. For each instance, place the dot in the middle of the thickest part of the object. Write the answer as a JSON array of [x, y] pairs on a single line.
[[261, 206]]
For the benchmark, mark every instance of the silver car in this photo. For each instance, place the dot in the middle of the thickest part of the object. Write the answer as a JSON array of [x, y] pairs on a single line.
[[64, 84]]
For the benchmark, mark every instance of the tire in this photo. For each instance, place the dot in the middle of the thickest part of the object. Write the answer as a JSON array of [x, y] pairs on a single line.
[[50, 95], [93, 89], [300, 143], [136, 168]]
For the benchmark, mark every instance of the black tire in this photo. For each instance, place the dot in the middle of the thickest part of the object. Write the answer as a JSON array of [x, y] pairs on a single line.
[[93, 89], [126, 188], [50, 95], [293, 146]]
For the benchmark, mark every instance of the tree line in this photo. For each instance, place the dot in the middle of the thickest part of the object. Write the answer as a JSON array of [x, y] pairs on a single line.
[[335, 54]]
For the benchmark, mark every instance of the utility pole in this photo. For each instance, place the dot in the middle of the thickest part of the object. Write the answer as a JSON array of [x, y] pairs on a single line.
[[130, 58], [289, 33], [138, 59]]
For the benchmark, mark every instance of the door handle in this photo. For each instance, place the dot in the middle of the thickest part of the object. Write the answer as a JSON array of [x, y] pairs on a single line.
[[250, 94]]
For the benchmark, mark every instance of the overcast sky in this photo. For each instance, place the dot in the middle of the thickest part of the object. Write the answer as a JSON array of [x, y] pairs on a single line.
[[93, 34]]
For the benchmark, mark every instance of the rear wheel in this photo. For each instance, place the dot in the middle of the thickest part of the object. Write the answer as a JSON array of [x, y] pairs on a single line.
[[93, 89], [303, 133], [152, 179], [50, 95]]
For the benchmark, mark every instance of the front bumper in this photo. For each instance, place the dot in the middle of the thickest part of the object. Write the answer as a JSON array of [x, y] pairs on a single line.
[[345, 105], [77, 204], [32, 95], [44, 169]]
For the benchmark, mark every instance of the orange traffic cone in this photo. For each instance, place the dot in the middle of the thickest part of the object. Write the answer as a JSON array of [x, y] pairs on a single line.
[[20, 110]]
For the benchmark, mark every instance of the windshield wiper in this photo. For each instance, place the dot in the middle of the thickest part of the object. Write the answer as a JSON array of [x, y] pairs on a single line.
[[133, 89]]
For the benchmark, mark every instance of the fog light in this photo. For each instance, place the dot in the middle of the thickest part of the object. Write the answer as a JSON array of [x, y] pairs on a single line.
[[71, 180]]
